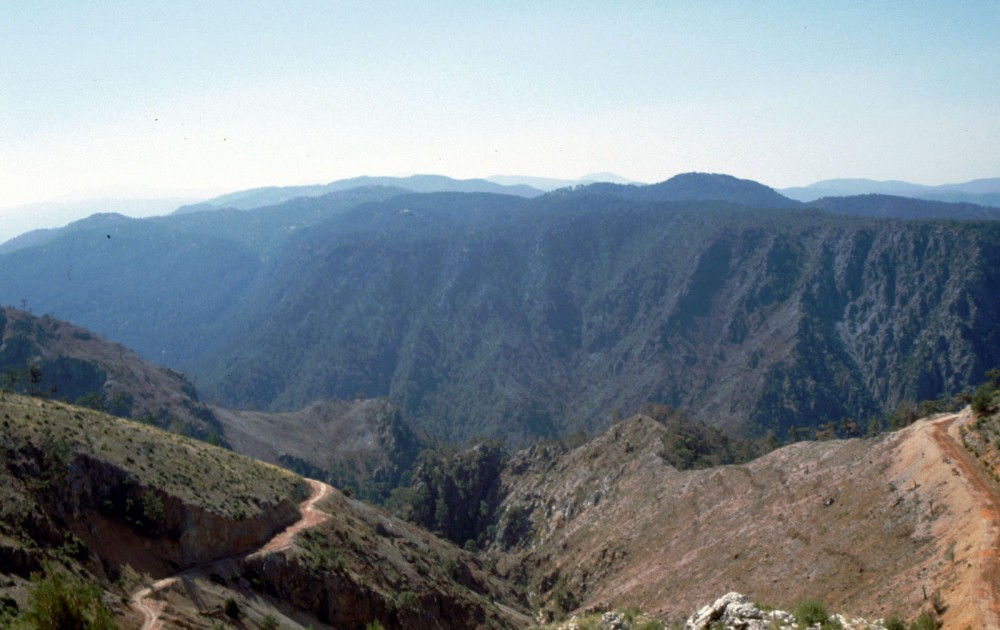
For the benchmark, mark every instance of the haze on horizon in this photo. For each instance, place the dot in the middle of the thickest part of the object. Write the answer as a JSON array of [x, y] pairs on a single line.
[[195, 99]]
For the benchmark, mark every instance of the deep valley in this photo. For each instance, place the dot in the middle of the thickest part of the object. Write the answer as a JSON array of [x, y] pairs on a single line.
[[489, 406]]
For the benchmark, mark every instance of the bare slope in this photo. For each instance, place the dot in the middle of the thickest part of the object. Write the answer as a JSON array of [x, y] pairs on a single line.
[[868, 526], [363, 444]]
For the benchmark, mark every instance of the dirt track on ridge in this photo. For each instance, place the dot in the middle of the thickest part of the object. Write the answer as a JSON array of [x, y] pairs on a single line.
[[987, 584], [142, 600]]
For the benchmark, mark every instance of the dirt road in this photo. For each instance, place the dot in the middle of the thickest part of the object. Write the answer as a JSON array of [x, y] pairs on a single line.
[[945, 434], [143, 602], [311, 517]]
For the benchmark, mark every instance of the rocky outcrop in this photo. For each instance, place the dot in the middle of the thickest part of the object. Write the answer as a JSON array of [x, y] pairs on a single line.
[[193, 534], [734, 611]]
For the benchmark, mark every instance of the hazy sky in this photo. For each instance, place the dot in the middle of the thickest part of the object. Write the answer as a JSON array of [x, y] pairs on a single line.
[[103, 98]]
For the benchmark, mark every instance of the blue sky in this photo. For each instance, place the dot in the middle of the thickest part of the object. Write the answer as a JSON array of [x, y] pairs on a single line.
[[142, 99]]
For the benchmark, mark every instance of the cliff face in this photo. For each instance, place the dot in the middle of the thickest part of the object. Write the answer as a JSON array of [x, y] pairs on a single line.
[[131, 493], [186, 533]]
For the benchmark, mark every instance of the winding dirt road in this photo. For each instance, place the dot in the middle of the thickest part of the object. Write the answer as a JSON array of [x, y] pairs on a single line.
[[143, 602], [945, 434]]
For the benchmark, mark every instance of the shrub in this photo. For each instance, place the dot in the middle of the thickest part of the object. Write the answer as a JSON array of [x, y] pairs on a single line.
[[926, 621], [937, 600], [895, 623], [982, 400], [232, 609], [811, 611], [57, 601]]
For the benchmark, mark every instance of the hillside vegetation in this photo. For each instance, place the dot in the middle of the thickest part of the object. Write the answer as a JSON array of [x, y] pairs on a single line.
[[364, 446], [97, 507], [500, 316], [43, 356], [86, 492]]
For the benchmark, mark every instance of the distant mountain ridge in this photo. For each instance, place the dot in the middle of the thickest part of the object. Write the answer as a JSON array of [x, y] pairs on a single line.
[[984, 192], [498, 315], [549, 184], [39, 217], [701, 187], [273, 195], [899, 207]]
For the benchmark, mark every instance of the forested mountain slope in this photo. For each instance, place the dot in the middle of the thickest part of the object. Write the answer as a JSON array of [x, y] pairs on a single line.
[[485, 314], [43, 356], [543, 318]]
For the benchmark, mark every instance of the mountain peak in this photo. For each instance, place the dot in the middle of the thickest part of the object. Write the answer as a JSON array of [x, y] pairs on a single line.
[[703, 187], [718, 187]]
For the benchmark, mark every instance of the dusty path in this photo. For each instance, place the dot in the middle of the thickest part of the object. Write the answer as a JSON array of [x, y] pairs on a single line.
[[150, 608], [311, 517], [142, 600], [945, 434]]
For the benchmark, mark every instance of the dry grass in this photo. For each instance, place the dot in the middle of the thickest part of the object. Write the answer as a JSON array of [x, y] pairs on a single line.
[[218, 480]]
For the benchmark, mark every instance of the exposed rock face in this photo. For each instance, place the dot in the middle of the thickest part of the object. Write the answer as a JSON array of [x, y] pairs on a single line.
[[188, 533], [363, 565], [734, 611]]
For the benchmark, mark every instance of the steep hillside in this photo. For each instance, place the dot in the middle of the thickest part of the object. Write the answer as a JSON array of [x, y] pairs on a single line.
[[540, 319], [107, 496], [365, 445], [177, 532], [42, 355], [162, 286], [871, 527], [494, 315]]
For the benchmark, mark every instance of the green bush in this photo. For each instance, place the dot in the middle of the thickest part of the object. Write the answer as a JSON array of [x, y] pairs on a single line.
[[811, 611], [895, 623], [982, 400], [926, 621], [232, 609], [60, 602]]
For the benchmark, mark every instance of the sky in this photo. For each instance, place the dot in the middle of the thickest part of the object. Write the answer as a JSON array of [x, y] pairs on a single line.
[[102, 99]]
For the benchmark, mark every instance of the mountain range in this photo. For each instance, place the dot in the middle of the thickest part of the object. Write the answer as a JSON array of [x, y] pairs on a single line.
[[449, 355], [498, 315], [984, 192]]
